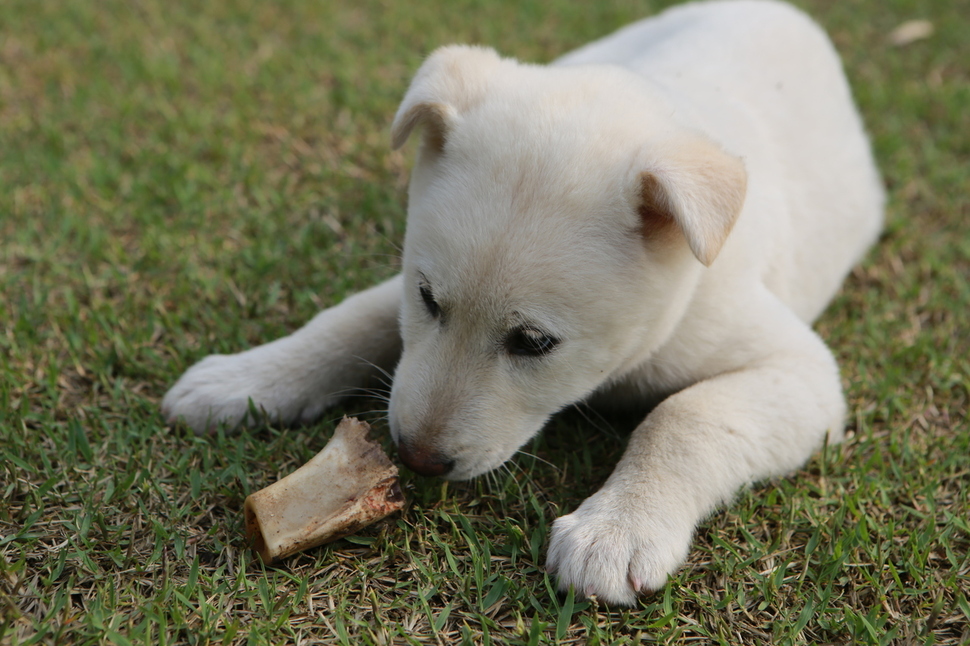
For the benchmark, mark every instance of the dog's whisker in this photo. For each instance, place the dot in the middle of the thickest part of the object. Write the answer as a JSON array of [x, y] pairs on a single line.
[[362, 396], [361, 389], [381, 370], [586, 411], [538, 459], [376, 393], [376, 411], [491, 481], [510, 472]]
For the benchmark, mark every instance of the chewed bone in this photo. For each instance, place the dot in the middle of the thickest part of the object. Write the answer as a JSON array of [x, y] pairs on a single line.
[[348, 485]]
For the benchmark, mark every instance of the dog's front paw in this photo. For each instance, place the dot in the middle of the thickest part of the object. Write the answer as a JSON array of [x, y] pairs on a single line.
[[610, 548], [219, 389]]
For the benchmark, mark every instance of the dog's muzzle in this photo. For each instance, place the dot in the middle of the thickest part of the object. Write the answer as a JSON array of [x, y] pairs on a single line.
[[423, 461]]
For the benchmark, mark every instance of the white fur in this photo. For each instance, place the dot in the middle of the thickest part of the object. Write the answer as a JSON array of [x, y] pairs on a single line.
[[675, 204]]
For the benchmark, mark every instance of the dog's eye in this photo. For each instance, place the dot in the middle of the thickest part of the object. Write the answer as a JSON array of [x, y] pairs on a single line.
[[529, 342], [429, 302]]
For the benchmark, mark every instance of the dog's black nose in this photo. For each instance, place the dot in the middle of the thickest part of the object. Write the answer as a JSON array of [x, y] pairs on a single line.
[[423, 461]]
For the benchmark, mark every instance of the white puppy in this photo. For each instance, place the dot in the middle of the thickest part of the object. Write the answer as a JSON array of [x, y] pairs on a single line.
[[661, 213]]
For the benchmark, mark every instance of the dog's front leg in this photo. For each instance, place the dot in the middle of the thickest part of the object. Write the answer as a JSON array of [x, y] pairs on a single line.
[[298, 376], [691, 454]]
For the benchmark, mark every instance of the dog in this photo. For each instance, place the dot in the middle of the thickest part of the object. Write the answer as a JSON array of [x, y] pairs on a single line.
[[656, 216]]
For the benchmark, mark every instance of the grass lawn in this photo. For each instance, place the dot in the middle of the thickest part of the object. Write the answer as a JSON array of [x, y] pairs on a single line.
[[178, 179]]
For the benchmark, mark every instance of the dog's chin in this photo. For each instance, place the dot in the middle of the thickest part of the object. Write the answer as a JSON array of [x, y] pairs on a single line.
[[468, 467], [469, 470]]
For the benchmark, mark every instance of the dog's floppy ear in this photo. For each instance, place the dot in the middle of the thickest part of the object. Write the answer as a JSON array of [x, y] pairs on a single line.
[[451, 81], [696, 186]]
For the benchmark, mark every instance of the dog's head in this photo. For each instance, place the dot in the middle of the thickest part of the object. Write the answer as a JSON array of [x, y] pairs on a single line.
[[558, 222]]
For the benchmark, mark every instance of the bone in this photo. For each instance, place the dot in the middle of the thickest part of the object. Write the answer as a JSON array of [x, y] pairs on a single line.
[[348, 485]]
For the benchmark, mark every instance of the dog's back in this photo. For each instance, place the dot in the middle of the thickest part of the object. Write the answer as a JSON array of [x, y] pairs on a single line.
[[763, 80]]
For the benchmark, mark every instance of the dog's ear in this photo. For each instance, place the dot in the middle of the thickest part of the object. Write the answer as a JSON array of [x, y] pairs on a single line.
[[451, 81], [696, 186]]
